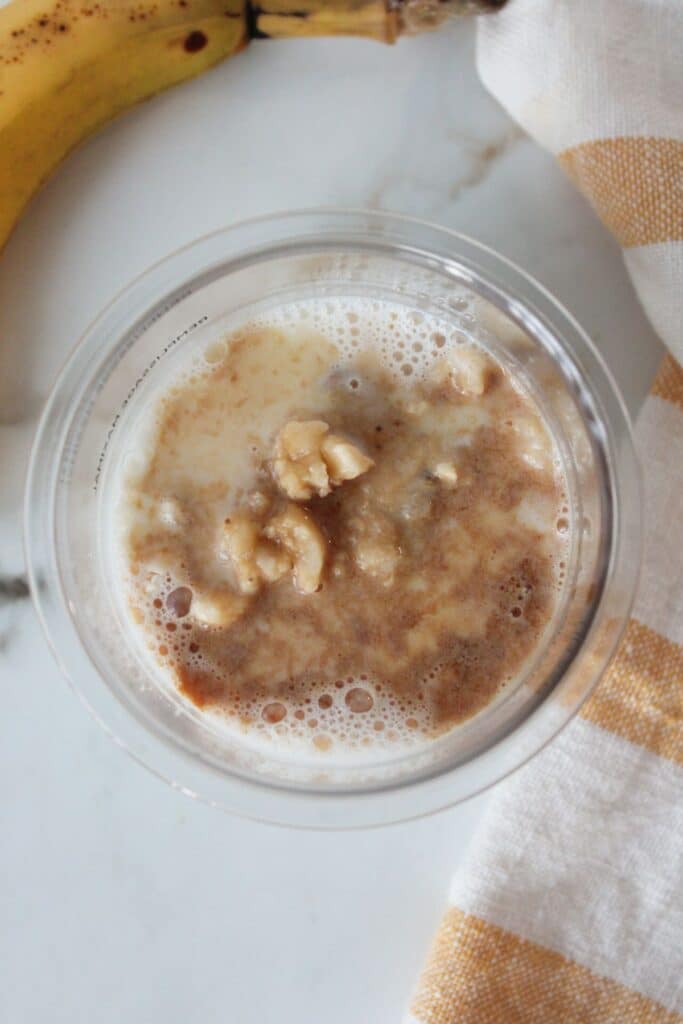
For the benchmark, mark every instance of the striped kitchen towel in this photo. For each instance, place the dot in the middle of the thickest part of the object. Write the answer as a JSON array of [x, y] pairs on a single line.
[[569, 907]]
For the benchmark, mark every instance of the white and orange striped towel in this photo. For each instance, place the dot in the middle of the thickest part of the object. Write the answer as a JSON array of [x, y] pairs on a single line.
[[569, 908]]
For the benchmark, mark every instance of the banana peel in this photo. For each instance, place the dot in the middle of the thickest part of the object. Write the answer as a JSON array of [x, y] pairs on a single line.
[[69, 66]]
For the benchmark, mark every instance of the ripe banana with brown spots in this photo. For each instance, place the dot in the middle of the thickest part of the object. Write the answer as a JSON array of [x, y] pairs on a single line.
[[68, 66]]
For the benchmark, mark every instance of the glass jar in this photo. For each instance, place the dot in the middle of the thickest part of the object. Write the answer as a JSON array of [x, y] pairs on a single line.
[[194, 297]]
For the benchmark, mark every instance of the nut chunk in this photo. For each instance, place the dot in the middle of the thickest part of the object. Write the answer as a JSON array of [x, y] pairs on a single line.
[[309, 460], [467, 369], [298, 465], [343, 460], [240, 538], [217, 607], [302, 540], [255, 559]]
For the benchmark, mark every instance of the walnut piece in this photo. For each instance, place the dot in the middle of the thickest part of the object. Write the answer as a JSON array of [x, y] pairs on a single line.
[[273, 561], [343, 460], [309, 460], [295, 530], [217, 607], [240, 538], [298, 465], [254, 558], [467, 369]]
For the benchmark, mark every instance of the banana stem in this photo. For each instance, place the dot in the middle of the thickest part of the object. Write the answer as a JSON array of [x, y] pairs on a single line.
[[384, 20], [68, 66]]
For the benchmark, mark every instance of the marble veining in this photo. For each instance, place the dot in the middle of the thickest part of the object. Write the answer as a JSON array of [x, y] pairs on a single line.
[[484, 156]]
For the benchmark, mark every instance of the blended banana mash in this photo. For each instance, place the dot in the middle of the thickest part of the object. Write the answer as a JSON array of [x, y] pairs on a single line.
[[347, 526]]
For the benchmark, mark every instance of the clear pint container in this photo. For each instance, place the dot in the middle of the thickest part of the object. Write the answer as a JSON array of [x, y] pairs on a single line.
[[193, 298]]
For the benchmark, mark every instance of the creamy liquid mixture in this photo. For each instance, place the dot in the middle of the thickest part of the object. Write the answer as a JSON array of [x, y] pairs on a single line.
[[345, 526]]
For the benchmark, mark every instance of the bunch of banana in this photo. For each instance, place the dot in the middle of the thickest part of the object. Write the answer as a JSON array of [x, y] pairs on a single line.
[[67, 66]]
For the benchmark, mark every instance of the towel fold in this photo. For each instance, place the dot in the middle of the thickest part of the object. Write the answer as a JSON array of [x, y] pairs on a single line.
[[569, 906]]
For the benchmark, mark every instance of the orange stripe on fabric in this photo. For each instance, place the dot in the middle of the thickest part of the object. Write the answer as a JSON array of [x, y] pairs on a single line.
[[668, 383], [635, 185], [641, 697], [478, 973]]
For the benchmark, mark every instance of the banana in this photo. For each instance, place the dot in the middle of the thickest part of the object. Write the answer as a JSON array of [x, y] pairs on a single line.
[[68, 66]]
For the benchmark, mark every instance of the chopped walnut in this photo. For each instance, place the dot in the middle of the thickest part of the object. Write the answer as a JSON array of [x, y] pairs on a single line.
[[343, 460], [467, 369], [295, 530], [217, 607], [273, 561], [309, 460], [298, 464], [240, 539], [254, 558]]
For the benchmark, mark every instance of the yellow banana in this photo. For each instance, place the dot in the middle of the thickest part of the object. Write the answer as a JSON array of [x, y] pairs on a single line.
[[67, 66]]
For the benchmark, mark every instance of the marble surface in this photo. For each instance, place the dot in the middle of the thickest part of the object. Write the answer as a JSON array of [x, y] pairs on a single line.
[[124, 900]]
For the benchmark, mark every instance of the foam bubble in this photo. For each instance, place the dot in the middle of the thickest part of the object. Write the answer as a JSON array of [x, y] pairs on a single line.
[[407, 341], [337, 717]]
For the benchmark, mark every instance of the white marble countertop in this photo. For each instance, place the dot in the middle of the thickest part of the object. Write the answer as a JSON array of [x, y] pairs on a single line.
[[122, 899]]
